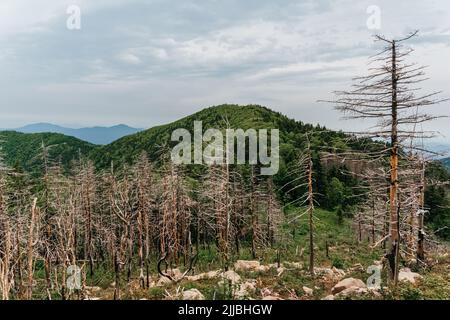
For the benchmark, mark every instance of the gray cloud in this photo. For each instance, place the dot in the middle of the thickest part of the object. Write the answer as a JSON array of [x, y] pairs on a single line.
[[149, 62]]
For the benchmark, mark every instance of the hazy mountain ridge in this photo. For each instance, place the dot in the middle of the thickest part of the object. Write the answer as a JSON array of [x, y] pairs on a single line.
[[126, 143], [446, 162], [96, 135]]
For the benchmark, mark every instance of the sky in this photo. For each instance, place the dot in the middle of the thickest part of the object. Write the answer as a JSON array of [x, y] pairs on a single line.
[[148, 62]]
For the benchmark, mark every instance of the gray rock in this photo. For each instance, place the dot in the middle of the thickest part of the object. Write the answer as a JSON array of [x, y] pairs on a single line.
[[347, 283]]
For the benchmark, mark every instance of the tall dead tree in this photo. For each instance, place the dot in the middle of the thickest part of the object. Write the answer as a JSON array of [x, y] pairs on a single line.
[[303, 181], [390, 96], [310, 209], [143, 174], [274, 214], [86, 180], [420, 253], [219, 207], [5, 242], [30, 249]]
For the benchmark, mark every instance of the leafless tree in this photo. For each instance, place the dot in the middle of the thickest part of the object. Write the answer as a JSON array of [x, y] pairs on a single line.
[[390, 95]]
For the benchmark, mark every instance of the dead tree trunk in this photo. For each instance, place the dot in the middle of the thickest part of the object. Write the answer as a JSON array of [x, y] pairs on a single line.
[[310, 211], [389, 95], [33, 218], [421, 233]]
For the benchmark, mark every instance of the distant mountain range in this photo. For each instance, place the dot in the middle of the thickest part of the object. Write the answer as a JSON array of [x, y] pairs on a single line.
[[122, 144], [446, 162], [95, 135], [442, 147]]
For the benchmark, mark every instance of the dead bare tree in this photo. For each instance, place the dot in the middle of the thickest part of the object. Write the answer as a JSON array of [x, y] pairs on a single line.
[[303, 180], [146, 202], [390, 96]]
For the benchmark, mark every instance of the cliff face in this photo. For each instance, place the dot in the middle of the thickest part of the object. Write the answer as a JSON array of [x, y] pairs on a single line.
[[355, 164]]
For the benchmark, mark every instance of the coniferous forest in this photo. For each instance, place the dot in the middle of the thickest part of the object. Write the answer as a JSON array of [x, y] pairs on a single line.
[[360, 213], [142, 227]]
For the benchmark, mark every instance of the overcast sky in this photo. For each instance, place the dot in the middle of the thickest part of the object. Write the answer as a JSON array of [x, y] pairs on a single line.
[[147, 62]]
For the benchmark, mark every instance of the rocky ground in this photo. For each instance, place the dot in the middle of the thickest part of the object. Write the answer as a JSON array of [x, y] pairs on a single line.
[[289, 280]]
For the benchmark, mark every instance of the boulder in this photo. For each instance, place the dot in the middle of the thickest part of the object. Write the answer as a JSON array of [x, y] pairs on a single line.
[[338, 272], [263, 268], [244, 265], [280, 271], [273, 298], [358, 267], [347, 283], [352, 291], [252, 265], [308, 291], [246, 289], [406, 275], [324, 272], [203, 276], [231, 276], [330, 273], [329, 297], [175, 273], [193, 294], [295, 265]]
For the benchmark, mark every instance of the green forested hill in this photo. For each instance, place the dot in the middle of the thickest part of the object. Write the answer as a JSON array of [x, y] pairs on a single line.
[[26, 150], [336, 191], [125, 150], [292, 139]]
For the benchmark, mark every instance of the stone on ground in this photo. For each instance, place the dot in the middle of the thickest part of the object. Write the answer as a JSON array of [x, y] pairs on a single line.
[[193, 294], [246, 289], [231, 276], [346, 284], [273, 298], [244, 265], [406, 275], [308, 291]]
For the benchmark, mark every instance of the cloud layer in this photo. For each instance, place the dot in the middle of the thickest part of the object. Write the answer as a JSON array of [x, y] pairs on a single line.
[[147, 62]]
